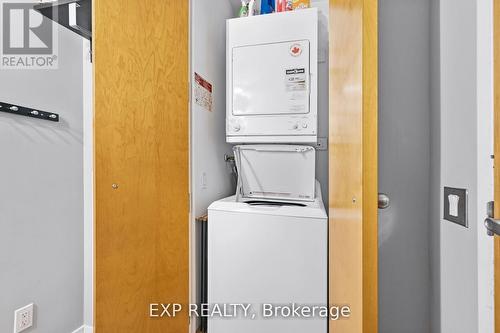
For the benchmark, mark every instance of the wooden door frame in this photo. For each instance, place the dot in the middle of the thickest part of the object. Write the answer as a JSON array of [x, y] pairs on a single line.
[[353, 187]]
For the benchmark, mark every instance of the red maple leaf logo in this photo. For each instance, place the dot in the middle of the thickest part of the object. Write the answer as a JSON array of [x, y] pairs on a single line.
[[295, 50]]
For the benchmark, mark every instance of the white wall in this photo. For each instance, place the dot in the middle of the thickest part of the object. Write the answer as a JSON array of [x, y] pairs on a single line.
[[404, 165], [208, 133], [458, 164], [41, 192], [485, 136], [466, 144], [88, 185]]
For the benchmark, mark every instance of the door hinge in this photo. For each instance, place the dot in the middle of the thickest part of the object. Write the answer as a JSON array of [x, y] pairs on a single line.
[[490, 209], [189, 201]]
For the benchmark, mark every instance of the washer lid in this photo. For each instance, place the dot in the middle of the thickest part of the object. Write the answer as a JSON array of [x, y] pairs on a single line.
[[313, 209]]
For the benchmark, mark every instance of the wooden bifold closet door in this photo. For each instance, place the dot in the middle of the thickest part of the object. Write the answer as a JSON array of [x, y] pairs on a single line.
[[140, 59], [353, 231]]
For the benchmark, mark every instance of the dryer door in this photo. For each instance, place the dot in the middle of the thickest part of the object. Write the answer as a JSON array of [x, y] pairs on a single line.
[[271, 79]]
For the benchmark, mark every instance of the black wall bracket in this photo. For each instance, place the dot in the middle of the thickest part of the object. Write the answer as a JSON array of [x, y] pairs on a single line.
[[28, 112], [76, 15]]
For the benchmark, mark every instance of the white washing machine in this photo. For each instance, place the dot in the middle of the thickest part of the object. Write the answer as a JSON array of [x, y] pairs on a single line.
[[267, 255]]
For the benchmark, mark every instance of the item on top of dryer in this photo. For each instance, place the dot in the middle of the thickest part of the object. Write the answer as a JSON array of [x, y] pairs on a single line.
[[267, 6], [253, 7], [272, 101], [278, 173], [267, 255], [284, 5], [243, 9], [280, 5], [301, 4]]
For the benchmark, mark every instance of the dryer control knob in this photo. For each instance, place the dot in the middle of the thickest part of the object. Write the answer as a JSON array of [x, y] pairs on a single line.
[[236, 127], [304, 125]]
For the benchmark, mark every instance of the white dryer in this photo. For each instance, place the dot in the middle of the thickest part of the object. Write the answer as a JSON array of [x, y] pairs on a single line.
[[267, 254], [272, 77]]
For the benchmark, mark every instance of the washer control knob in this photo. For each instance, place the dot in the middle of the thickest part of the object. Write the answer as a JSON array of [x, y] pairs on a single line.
[[236, 127], [304, 125]]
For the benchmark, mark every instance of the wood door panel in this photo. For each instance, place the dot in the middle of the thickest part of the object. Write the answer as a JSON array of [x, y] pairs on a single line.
[[370, 166], [353, 245], [141, 144]]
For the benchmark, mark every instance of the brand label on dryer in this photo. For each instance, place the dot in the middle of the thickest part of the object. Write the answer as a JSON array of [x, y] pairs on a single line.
[[295, 71]]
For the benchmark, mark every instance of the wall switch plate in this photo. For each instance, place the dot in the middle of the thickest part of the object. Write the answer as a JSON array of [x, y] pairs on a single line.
[[23, 318], [455, 205], [322, 144], [204, 181]]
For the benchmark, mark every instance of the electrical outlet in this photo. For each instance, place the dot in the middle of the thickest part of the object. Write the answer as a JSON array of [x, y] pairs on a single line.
[[23, 318], [322, 144]]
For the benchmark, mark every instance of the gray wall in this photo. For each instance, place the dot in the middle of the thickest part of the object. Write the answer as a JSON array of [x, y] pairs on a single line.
[[435, 177], [41, 206], [404, 165], [323, 81]]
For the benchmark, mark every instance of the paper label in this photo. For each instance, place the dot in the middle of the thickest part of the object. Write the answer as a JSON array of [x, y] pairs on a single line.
[[295, 80], [296, 88], [203, 92]]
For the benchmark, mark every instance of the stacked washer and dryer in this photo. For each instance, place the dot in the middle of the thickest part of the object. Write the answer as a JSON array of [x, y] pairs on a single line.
[[267, 245]]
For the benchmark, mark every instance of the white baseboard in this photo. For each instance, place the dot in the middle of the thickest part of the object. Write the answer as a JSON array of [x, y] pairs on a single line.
[[83, 329]]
